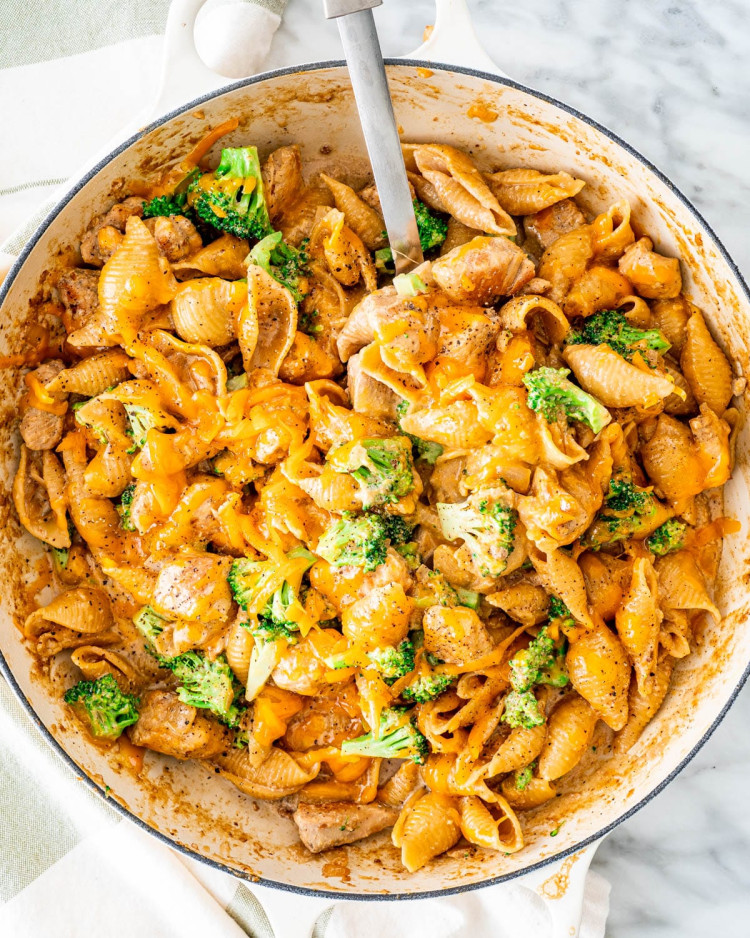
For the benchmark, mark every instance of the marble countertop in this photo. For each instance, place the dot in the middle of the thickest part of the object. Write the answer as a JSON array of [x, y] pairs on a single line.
[[672, 79]]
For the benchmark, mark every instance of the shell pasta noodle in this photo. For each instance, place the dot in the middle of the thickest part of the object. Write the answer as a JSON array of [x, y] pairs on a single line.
[[404, 554]]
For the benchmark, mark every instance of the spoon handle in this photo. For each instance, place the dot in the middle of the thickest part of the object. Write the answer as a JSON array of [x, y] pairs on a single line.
[[367, 71]]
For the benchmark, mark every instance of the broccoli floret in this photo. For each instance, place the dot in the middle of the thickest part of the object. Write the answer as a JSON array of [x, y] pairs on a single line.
[[107, 709], [624, 496], [422, 450], [286, 264], [141, 421], [397, 530], [60, 557], [558, 610], [237, 382], [626, 510], [165, 205], [486, 526], [123, 508], [667, 537], [231, 198], [410, 553], [308, 323], [393, 663], [358, 542], [523, 777], [383, 468], [469, 598], [553, 396], [409, 284], [526, 665], [522, 710], [206, 684], [247, 580], [149, 623], [432, 232], [427, 687], [399, 738], [610, 327]]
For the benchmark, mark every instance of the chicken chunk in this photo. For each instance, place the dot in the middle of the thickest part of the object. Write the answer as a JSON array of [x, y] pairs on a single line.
[[326, 720], [176, 236], [545, 227], [194, 586], [282, 179], [39, 428], [455, 635], [483, 270], [322, 826], [168, 725], [102, 239], [369, 396], [79, 292]]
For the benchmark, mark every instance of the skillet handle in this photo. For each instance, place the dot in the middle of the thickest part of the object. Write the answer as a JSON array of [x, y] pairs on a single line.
[[562, 886], [454, 40]]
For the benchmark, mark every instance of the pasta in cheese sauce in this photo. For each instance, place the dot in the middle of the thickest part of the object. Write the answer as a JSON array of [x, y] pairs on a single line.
[[394, 549]]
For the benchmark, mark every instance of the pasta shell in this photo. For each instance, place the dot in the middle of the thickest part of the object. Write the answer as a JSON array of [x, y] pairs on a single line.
[[671, 461], [224, 257], [426, 829], [562, 577], [654, 276], [33, 498], [461, 188], [520, 748], [611, 231], [93, 375], [239, 648], [83, 609], [379, 618], [565, 260], [705, 366], [525, 191], [478, 825], [536, 792], [604, 578], [638, 621], [599, 670], [482, 271], [598, 288], [671, 317], [569, 730], [643, 707], [682, 586], [205, 310], [426, 192], [455, 426], [275, 778], [613, 380], [527, 603], [400, 785], [521, 313], [267, 326], [94, 662], [679, 405], [109, 472], [282, 180], [360, 217], [711, 435]]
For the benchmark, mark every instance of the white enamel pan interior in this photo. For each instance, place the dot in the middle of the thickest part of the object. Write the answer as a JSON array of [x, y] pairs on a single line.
[[184, 803]]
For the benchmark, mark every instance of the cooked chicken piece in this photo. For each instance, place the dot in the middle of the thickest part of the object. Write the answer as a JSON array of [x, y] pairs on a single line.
[[309, 360], [79, 292], [176, 236], [168, 725], [322, 826], [39, 428], [467, 337], [326, 720], [455, 635], [483, 270], [545, 227], [298, 220], [301, 670], [194, 586], [367, 395], [394, 570], [282, 180], [101, 239], [386, 306]]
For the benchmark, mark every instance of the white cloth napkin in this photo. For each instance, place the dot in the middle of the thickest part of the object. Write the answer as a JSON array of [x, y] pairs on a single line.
[[69, 864]]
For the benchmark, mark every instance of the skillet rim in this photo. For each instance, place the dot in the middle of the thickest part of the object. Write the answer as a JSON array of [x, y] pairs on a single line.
[[5, 669]]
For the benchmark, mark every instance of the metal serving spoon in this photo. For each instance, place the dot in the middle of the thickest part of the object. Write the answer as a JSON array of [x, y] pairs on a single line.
[[365, 61]]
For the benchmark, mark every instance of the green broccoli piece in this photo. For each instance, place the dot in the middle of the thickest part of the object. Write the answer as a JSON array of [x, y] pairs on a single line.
[[522, 710], [625, 511], [286, 264], [624, 496], [393, 663], [231, 199], [553, 396], [526, 665], [399, 738], [410, 553], [469, 598], [486, 526], [427, 687], [383, 468], [397, 530], [248, 579], [558, 610], [422, 450], [107, 709], [165, 205], [357, 542], [141, 421], [432, 232], [667, 537], [149, 623], [308, 323], [60, 557], [610, 327], [206, 684], [409, 285], [237, 382], [123, 508], [523, 777]]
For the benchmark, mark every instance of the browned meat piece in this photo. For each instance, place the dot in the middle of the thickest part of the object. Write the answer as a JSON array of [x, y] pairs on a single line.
[[455, 635], [326, 720], [308, 360], [79, 292], [39, 428], [168, 725], [545, 227], [282, 180], [176, 236], [322, 826], [369, 396], [470, 343], [386, 306], [194, 586], [483, 270], [102, 238]]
